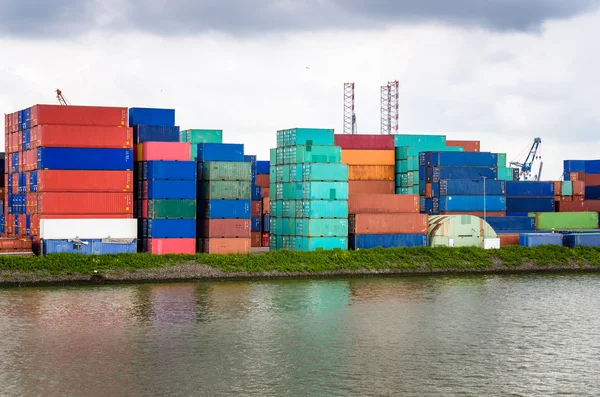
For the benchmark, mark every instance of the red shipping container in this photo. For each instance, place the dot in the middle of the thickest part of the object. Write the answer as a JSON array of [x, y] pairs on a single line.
[[31, 203], [144, 213], [8, 162], [265, 192], [592, 179], [383, 203], [578, 198], [388, 224], [557, 188], [84, 181], [469, 146], [163, 246], [78, 115], [22, 221], [9, 225], [428, 190], [577, 176], [566, 198], [477, 214], [225, 245], [19, 144], [571, 206], [364, 142], [149, 151], [507, 240], [255, 239], [15, 245], [256, 208], [85, 203], [86, 216], [76, 136], [593, 205], [578, 188], [266, 240], [266, 205], [229, 228], [6, 122], [262, 181], [371, 187], [34, 223]]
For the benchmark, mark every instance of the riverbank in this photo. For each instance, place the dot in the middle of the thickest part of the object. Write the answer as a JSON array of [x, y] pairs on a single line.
[[73, 269]]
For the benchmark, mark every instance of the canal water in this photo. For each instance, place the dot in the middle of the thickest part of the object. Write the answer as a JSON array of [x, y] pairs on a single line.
[[523, 335]]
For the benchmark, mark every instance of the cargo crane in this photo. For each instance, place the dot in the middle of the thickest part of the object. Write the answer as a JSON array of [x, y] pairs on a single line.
[[350, 126], [526, 166], [61, 99]]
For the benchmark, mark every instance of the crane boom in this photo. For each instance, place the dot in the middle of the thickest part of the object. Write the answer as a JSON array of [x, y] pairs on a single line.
[[61, 99], [526, 166]]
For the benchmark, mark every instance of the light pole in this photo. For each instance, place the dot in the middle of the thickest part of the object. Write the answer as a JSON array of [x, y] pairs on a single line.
[[484, 208]]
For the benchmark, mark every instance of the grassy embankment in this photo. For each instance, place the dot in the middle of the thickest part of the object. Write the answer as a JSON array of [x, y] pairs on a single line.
[[409, 259]]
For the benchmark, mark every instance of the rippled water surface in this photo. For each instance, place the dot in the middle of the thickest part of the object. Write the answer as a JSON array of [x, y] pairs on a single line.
[[477, 336]]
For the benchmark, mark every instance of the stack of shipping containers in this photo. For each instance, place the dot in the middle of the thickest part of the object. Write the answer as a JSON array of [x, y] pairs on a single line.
[[524, 197], [309, 192], [197, 137], [262, 180], [224, 194], [256, 210], [166, 183], [72, 179]]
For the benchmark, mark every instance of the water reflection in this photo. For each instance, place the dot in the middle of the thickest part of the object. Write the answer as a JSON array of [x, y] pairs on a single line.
[[416, 336]]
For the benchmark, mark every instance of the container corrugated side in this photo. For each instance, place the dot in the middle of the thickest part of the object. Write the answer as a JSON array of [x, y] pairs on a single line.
[[81, 181], [472, 173], [361, 141], [220, 152], [321, 243], [223, 209], [85, 159], [225, 245], [383, 203], [321, 208], [472, 203], [469, 146], [78, 115], [404, 152], [162, 246], [75, 203], [529, 189], [312, 154], [156, 133], [224, 190], [174, 170], [375, 187], [529, 204], [368, 241], [75, 136], [151, 116], [387, 224], [169, 209], [581, 239], [368, 157], [509, 223], [468, 187], [89, 247], [419, 140], [305, 136], [171, 228], [318, 172], [60, 229], [574, 166], [465, 159], [224, 228], [160, 189], [571, 206], [224, 171], [174, 151], [370, 173], [566, 220], [538, 239], [322, 191], [196, 136]]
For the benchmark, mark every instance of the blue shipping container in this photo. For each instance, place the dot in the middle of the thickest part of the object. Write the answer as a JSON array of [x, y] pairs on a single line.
[[592, 192], [462, 159], [164, 189], [529, 204], [224, 209], [516, 213], [256, 224], [266, 223], [250, 158], [85, 159], [256, 193], [472, 203], [151, 116], [529, 189], [437, 174], [574, 166], [156, 133], [581, 239], [469, 187], [263, 167], [366, 241], [220, 152], [89, 247], [171, 228], [178, 170], [592, 166], [537, 239], [511, 223]]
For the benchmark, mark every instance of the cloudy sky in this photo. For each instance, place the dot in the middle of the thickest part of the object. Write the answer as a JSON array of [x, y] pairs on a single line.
[[501, 71]]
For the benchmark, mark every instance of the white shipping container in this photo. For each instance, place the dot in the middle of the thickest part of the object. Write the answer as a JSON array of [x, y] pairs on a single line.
[[62, 229]]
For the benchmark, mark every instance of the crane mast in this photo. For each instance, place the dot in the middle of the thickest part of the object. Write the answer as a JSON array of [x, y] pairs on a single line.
[[526, 166]]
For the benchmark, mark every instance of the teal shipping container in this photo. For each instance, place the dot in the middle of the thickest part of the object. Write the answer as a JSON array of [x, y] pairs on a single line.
[[404, 152], [307, 227], [419, 140], [407, 190], [401, 166], [273, 157], [567, 188], [288, 208], [312, 154], [401, 179], [322, 208], [273, 226], [321, 243], [502, 160], [285, 173], [322, 191], [305, 136], [289, 243], [201, 136], [505, 174], [319, 172]]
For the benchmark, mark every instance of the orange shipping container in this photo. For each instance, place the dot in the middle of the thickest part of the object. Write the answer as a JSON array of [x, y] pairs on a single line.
[[592, 179], [368, 157], [230, 228], [469, 146], [578, 188], [381, 187], [84, 181], [383, 203], [558, 188], [507, 240], [265, 192], [255, 239], [266, 205], [428, 190], [225, 245], [262, 180], [387, 224], [371, 173], [576, 176], [85, 203]]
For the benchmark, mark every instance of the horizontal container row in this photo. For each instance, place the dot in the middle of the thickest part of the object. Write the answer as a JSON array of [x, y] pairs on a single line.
[[368, 241], [223, 209], [226, 228], [529, 204], [156, 189], [155, 133], [224, 245], [309, 227], [457, 159], [566, 220], [405, 152], [72, 203], [387, 223], [309, 244], [84, 159], [151, 116], [89, 247], [199, 136], [224, 171], [166, 209], [364, 142], [419, 140], [167, 228], [309, 208], [511, 223], [305, 136], [435, 174], [309, 172], [310, 191], [71, 181], [64, 229], [383, 203], [163, 246], [168, 170], [368, 157]]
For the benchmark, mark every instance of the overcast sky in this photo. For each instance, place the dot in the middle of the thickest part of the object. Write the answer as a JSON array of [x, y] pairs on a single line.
[[501, 71]]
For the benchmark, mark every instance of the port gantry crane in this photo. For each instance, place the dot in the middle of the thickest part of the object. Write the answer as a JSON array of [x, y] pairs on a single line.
[[61, 99], [526, 166]]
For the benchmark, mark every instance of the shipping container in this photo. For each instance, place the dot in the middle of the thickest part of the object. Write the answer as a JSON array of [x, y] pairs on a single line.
[[320, 208], [170, 209], [469, 146], [256, 224], [566, 220], [405, 152], [592, 167], [472, 203], [262, 167], [225, 245], [159, 189], [530, 189], [529, 204], [266, 205], [505, 174], [223, 209], [256, 239], [208, 152], [224, 171], [84, 159], [173, 151], [375, 187], [469, 187], [370, 173], [457, 159], [367, 241], [571, 206], [162, 246], [321, 243], [572, 240], [224, 190], [383, 203], [76, 136], [156, 133], [578, 188], [576, 176], [566, 188], [387, 223], [196, 136], [592, 180], [509, 240], [256, 209], [593, 205], [169, 170], [538, 239], [151, 116], [264, 180], [305, 136], [364, 142], [265, 240], [459, 231], [591, 192], [509, 223], [368, 157], [419, 140], [574, 166], [557, 189], [312, 154], [89, 247], [75, 203], [224, 228], [473, 173], [78, 115], [321, 190], [170, 228], [80, 181], [62, 229], [308, 172]]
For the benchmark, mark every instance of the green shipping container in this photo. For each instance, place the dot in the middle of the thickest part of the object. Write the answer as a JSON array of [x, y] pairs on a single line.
[[413, 177], [321, 208], [404, 152], [307, 227], [412, 164], [203, 136], [566, 220], [502, 160], [273, 157], [401, 166], [314, 154], [322, 191], [505, 174], [419, 140], [285, 173], [321, 243], [227, 171], [305, 136], [193, 152], [567, 188], [172, 209], [224, 190]]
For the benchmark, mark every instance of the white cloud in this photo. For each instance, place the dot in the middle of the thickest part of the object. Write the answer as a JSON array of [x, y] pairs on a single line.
[[504, 89]]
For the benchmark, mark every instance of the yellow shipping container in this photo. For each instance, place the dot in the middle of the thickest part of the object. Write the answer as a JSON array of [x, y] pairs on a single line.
[[368, 157], [371, 173]]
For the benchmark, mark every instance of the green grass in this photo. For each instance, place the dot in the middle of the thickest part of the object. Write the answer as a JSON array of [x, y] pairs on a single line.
[[287, 261]]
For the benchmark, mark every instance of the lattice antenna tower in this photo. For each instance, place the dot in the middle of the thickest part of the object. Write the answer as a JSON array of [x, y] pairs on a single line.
[[385, 109], [349, 115], [394, 105]]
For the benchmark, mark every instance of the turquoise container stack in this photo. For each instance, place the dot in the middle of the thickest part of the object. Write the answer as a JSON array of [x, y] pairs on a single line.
[[308, 192]]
